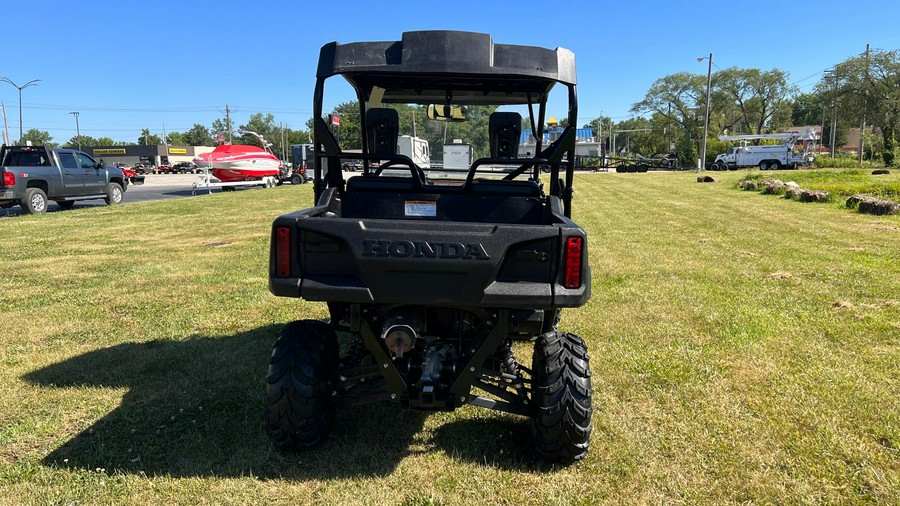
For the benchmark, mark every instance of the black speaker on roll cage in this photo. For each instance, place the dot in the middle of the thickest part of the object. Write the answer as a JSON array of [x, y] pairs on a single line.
[[382, 129], [505, 129]]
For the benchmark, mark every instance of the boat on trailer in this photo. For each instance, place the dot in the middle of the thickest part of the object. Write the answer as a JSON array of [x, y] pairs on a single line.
[[231, 163]]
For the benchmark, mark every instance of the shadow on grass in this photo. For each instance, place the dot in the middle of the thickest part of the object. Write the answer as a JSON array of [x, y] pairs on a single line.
[[499, 441], [195, 408]]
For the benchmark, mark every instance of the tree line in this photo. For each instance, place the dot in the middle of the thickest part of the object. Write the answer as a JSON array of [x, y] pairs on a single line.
[[264, 124], [863, 89]]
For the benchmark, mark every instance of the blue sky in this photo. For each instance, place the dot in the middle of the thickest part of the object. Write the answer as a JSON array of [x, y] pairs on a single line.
[[128, 65]]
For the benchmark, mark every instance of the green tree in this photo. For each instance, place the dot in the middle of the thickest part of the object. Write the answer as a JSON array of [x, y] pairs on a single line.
[[218, 126], [677, 97], [817, 108], [741, 101], [761, 98], [679, 100], [867, 87], [84, 140], [808, 109], [198, 135], [148, 139], [176, 138], [263, 124], [348, 132], [298, 137], [38, 138]]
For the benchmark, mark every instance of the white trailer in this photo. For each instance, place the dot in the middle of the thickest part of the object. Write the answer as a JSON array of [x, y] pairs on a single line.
[[208, 182], [775, 156], [416, 149], [458, 156]]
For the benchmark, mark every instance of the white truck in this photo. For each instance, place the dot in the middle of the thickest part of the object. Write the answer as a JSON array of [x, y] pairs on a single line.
[[774, 156], [416, 149]]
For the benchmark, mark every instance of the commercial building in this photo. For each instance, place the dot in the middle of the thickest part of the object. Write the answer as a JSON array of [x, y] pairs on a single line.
[[150, 155]]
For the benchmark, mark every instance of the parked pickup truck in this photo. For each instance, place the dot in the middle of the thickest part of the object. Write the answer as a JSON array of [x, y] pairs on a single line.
[[30, 176]]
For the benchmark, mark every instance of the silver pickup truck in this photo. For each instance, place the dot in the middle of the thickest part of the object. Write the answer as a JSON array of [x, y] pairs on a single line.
[[31, 176]]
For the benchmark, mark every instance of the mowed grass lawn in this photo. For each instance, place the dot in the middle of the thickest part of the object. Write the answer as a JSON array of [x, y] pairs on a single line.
[[745, 349]]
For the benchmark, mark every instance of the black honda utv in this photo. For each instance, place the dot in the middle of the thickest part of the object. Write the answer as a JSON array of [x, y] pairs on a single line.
[[430, 273]]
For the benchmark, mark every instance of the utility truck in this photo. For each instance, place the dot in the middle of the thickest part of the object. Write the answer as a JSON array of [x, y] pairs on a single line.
[[429, 276], [766, 157]]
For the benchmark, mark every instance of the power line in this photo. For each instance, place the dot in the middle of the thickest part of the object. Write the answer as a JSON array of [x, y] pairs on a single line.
[[806, 78], [54, 107]]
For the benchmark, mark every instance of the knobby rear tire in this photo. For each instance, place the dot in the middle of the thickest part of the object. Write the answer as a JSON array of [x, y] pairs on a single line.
[[561, 392], [299, 382]]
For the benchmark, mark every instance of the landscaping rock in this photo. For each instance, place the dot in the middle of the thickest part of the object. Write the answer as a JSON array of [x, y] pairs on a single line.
[[792, 184], [878, 206], [748, 185], [773, 187], [792, 193], [880, 172], [707, 179], [813, 196]]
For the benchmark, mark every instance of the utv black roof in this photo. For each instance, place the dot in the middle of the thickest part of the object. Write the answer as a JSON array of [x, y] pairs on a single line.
[[443, 66]]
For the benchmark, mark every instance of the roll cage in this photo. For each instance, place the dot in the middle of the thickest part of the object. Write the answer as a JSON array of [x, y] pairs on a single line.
[[449, 68]]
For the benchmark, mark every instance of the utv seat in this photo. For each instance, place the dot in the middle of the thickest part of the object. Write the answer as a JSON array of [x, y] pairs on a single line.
[[380, 184], [506, 188]]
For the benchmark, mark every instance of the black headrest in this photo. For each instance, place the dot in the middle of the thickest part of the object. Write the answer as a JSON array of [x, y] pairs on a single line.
[[505, 129], [382, 130]]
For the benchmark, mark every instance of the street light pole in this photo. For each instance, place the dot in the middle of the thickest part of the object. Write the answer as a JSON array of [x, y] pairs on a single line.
[[702, 163], [77, 129], [33, 82]]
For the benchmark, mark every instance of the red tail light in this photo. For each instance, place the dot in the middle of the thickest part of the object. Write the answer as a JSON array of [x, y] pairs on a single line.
[[572, 267], [9, 179], [283, 252]]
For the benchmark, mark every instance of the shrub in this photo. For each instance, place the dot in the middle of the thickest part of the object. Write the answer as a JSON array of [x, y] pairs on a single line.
[[839, 162]]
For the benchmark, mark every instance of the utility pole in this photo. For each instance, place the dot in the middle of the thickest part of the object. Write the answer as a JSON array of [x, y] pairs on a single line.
[[831, 74], [612, 134], [77, 129], [669, 146], [862, 127], [283, 147], [702, 163], [5, 126], [600, 136], [833, 128], [228, 122]]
